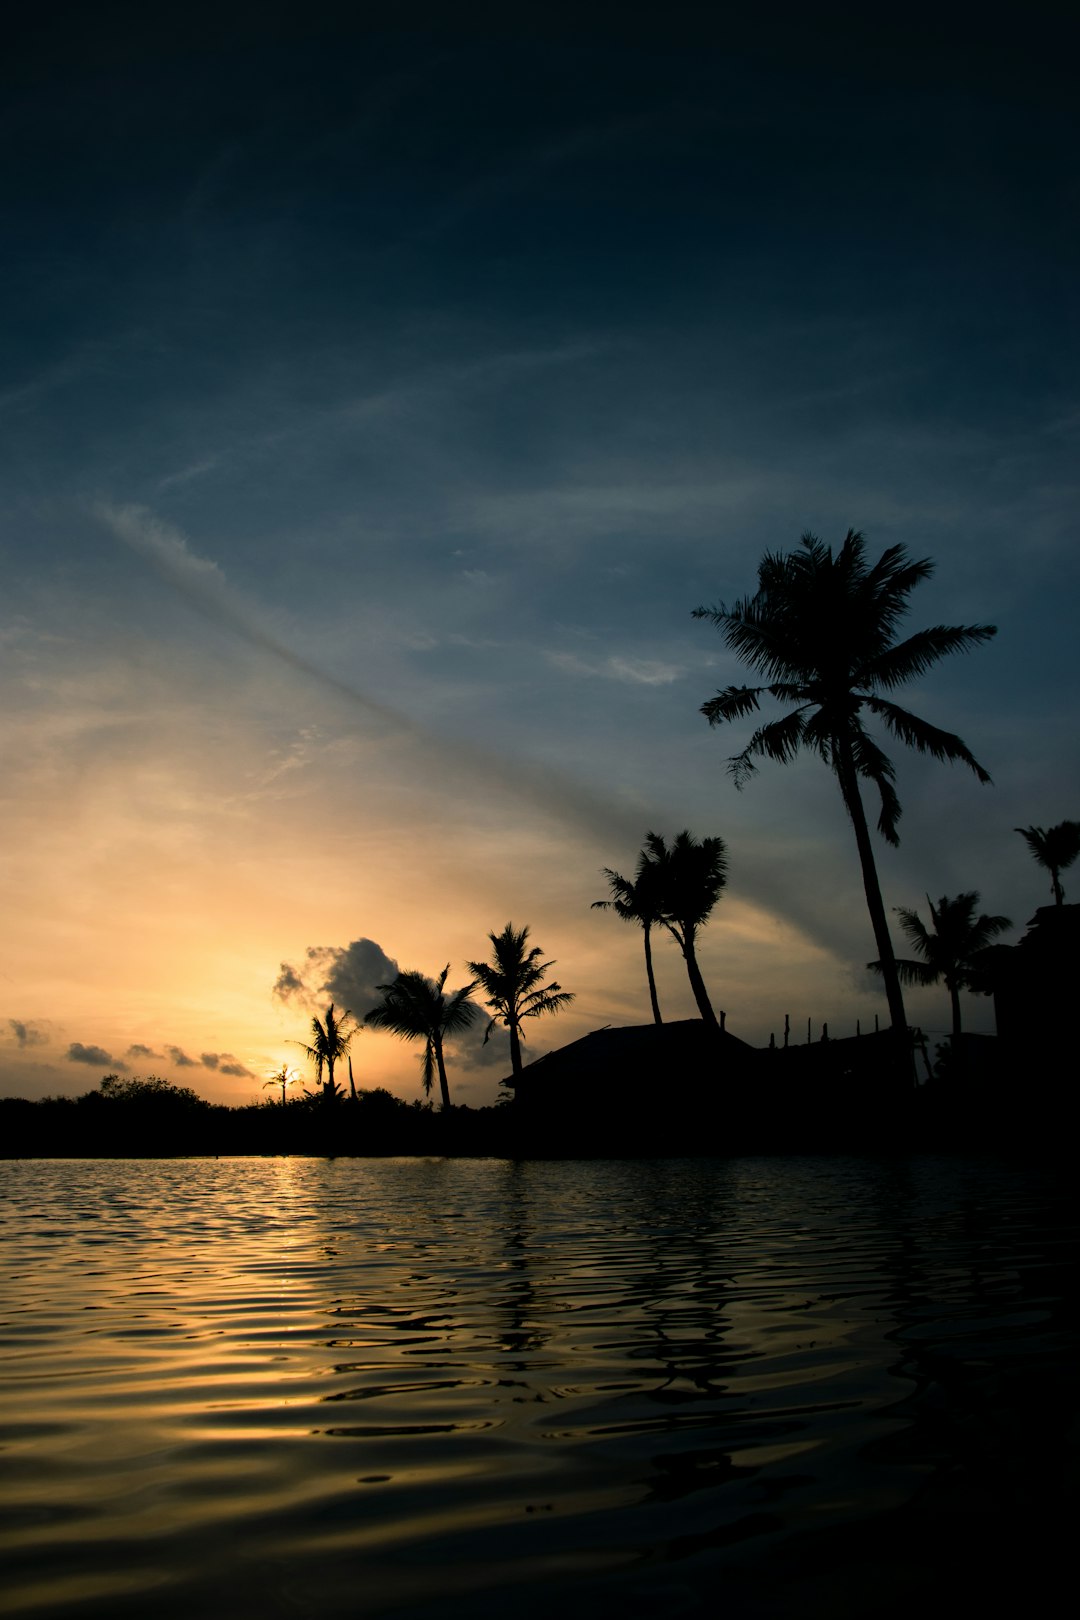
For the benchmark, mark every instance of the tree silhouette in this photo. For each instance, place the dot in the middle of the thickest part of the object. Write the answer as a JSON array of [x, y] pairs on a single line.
[[1055, 848], [513, 987], [821, 628], [637, 902], [416, 1008], [948, 947], [284, 1077], [687, 878], [330, 1037]]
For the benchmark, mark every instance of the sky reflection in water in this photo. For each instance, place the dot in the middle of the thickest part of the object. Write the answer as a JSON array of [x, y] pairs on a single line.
[[300, 1387]]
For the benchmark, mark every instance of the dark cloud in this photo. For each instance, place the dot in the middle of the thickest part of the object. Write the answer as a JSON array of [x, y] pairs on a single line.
[[348, 975], [180, 1058], [27, 1034], [289, 985], [96, 1055], [225, 1063], [138, 1050], [354, 973]]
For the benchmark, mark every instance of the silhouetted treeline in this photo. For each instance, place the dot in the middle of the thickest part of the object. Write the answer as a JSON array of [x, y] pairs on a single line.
[[648, 1090], [168, 1121]]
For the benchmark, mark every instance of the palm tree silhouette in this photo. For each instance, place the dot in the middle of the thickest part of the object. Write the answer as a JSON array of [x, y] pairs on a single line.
[[637, 901], [948, 947], [1055, 848], [418, 1009], [330, 1037], [283, 1077], [514, 989], [821, 629], [687, 878]]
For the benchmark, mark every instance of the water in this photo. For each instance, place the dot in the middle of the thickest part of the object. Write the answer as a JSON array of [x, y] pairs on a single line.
[[300, 1387]]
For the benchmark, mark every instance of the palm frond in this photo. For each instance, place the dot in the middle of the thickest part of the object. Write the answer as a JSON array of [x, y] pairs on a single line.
[[925, 738], [909, 659], [732, 704]]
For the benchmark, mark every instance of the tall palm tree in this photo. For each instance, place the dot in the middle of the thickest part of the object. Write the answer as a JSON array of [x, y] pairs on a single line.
[[822, 630], [687, 877], [636, 901], [513, 986], [416, 1008], [1055, 848], [948, 947], [330, 1037]]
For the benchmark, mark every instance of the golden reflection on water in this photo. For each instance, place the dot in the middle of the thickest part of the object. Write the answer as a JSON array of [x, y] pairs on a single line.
[[280, 1387]]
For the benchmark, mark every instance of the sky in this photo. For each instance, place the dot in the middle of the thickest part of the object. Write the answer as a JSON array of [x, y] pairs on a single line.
[[382, 389]]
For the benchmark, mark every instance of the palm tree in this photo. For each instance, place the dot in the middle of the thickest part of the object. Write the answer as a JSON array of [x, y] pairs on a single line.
[[948, 947], [514, 989], [416, 1008], [284, 1077], [636, 901], [1055, 848], [821, 629], [330, 1037], [687, 878]]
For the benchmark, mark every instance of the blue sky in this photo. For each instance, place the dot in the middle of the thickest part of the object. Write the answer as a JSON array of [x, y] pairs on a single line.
[[380, 396]]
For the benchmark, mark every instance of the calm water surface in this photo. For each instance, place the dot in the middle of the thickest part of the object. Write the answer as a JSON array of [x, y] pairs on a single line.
[[299, 1387]]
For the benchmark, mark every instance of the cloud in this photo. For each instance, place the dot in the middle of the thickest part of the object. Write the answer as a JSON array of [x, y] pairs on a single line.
[[289, 985], [27, 1034], [96, 1055], [637, 671], [349, 975], [224, 1063], [353, 975], [138, 1050], [180, 1058]]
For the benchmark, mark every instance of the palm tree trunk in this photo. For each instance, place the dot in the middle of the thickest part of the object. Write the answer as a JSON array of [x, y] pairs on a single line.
[[849, 787], [515, 1046], [444, 1087], [697, 983], [328, 1089], [352, 1082], [651, 976], [1059, 892], [954, 997]]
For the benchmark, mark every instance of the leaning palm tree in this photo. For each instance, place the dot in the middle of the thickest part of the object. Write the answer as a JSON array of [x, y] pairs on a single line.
[[822, 630], [416, 1008], [330, 1037], [1055, 848], [636, 901], [948, 948], [686, 877], [513, 987]]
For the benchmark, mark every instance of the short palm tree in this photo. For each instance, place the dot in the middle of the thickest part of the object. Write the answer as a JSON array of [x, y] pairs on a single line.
[[822, 630], [687, 878], [513, 987], [947, 948], [636, 901], [283, 1077], [330, 1038], [416, 1008], [1055, 848]]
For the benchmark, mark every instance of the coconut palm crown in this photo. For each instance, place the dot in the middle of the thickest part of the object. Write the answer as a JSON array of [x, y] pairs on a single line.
[[947, 948], [1055, 848], [417, 1008], [822, 628], [513, 987]]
